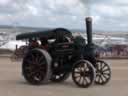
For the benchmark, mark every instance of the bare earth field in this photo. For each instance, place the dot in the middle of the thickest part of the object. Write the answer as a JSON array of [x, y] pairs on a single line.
[[12, 83]]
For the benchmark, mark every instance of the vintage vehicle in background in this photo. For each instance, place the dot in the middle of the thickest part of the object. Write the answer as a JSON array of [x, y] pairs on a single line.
[[55, 53]]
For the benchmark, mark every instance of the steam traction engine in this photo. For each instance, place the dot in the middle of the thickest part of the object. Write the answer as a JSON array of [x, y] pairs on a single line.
[[59, 54]]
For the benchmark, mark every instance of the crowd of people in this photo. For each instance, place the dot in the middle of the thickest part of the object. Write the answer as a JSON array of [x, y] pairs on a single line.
[[115, 51]]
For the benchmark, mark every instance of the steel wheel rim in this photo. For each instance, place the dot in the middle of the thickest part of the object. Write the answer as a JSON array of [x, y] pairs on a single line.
[[35, 66], [84, 76], [103, 73]]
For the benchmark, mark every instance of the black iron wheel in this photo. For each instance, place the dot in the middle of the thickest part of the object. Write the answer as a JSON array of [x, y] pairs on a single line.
[[36, 67], [83, 73], [103, 73], [60, 77]]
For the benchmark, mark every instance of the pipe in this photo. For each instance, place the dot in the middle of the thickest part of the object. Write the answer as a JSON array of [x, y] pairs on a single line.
[[88, 21]]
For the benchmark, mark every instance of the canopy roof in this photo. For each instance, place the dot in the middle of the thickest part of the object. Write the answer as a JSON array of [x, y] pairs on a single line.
[[49, 33]]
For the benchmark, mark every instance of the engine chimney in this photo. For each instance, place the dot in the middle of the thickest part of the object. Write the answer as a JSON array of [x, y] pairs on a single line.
[[89, 29]]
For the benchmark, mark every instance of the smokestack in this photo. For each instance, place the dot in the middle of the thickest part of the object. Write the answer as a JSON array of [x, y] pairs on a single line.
[[89, 29]]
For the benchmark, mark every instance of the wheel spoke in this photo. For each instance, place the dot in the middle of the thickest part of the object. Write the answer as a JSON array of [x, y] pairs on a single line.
[[79, 79], [88, 80], [85, 80], [106, 73], [35, 67], [97, 76], [33, 71], [101, 78], [77, 72], [29, 68], [77, 76], [37, 58], [81, 67], [32, 74], [85, 75], [85, 67], [106, 70], [98, 65], [105, 77], [103, 66], [41, 58], [103, 73], [31, 56]]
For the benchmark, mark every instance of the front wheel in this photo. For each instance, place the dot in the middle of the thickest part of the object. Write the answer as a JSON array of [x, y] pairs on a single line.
[[83, 73], [103, 73]]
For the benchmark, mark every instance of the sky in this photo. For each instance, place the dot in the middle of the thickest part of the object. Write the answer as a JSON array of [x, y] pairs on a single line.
[[108, 15]]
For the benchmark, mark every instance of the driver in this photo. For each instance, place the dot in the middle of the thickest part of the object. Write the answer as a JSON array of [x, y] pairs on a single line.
[[33, 43], [44, 43]]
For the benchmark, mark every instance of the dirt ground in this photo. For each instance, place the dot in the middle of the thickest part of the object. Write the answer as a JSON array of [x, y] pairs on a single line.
[[12, 83]]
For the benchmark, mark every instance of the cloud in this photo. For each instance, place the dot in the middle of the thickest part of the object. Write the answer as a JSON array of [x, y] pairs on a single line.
[[47, 12], [112, 17], [107, 14], [5, 2]]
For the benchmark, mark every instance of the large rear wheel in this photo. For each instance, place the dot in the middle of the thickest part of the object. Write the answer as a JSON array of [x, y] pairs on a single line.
[[36, 67]]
